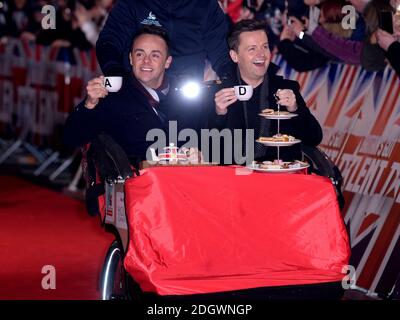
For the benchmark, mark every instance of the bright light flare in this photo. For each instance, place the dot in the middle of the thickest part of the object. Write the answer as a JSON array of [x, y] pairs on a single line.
[[191, 90]]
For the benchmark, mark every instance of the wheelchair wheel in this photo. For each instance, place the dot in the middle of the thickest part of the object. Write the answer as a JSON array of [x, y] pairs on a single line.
[[113, 277]]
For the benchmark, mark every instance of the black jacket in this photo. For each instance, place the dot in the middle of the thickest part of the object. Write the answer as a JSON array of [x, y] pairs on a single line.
[[127, 116], [304, 127], [301, 58], [393, 55], [197, 29]]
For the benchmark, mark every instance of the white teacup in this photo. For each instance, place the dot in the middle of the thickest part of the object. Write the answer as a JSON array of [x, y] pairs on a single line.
[[112, 84], [243, 93]]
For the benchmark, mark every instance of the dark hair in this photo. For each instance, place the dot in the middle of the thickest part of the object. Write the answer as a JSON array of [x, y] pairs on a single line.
[[332, 10], [244, 26], [153, 30], [298, 9]]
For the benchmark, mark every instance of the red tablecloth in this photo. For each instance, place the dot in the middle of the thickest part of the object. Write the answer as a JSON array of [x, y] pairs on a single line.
[[207, 229]]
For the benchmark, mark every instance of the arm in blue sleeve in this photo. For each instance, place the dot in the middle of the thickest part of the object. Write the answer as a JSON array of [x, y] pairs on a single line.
[[114, 39], [215, 40]]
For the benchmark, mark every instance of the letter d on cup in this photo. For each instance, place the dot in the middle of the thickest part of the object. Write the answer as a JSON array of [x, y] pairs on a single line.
[[243, 93]]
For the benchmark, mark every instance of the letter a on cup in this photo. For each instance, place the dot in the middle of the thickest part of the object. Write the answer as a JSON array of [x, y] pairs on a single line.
[[107, 83]]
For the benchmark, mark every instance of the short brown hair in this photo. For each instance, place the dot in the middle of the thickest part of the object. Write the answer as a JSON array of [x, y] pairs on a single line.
[[332, 10], [248, 25]]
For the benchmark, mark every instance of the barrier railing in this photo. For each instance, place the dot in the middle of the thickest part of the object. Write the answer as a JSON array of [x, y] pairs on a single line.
[[39, 87], [46, 81]]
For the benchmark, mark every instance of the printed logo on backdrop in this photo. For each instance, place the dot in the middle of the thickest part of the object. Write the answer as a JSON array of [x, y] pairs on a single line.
[[389, 102], [354, 116], [151, 20], [362, 85], [335, 74], [360, 115], [340, 76], [367, 110], [372, 236], [371, 169], [316, 79]]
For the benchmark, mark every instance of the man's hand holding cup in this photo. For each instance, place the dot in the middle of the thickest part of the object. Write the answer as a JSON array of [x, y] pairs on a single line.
[[223, 99], [99, 88], [226, 97]]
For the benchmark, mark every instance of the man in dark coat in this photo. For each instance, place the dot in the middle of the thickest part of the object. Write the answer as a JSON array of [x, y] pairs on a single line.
[[248, 44], [197, 29], [146, 101]]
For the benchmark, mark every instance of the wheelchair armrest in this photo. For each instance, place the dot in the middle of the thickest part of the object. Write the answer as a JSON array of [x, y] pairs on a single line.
[[103, 159], [111, 161], [320, 164], [319, 161]]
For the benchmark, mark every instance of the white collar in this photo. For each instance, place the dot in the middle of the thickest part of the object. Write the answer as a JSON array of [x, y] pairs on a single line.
[[152, 92]]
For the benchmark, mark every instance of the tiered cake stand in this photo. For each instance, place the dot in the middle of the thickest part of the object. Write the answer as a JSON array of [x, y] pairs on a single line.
[[278, 115]]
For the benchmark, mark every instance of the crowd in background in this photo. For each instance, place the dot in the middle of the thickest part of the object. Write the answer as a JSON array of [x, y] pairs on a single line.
[[78, 22], [308, 34]]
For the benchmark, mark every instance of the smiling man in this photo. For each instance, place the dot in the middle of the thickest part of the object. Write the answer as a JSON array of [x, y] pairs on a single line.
[[149, 59], [249, 49], [145, 101]]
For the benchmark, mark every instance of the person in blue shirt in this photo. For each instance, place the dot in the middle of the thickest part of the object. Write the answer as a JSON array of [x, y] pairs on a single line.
[[197, 29]]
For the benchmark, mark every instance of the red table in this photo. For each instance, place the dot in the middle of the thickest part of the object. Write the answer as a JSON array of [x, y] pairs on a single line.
[[208, 229]]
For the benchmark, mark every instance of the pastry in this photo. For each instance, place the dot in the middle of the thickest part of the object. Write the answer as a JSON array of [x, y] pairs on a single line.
[[268, 111], [277, 138]]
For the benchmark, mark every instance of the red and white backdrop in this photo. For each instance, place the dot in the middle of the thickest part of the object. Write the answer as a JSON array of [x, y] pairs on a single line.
[[359, 112], [39, 85], [360, 115]]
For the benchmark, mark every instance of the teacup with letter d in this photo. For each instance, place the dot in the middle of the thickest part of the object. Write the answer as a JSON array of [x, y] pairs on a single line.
[[243, 93]]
